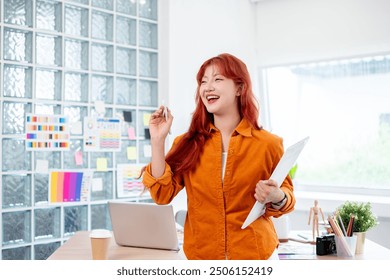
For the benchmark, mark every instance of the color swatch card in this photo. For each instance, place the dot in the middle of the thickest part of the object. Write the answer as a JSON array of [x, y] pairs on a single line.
[[69, 186], [102, 134], [128, 183], [47, 133]]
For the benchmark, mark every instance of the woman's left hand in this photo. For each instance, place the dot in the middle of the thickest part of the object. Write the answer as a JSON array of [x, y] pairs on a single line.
[[268, 191]]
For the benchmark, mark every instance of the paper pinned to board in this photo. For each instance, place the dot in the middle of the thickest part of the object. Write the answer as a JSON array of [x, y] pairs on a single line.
[[279, 174]]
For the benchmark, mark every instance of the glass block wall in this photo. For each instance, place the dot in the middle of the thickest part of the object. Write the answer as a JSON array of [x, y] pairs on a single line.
[[59, 58]]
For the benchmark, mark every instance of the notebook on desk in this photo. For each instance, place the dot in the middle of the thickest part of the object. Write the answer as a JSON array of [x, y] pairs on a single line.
[[143, 225]]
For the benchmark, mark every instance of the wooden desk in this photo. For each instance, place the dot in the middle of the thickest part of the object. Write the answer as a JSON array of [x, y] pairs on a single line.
[[78, 247]]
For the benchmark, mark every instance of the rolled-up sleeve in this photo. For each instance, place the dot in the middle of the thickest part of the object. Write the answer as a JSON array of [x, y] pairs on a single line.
[[288, 207], [164, 188]]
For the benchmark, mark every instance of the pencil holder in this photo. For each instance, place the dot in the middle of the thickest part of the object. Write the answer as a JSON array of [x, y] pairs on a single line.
[[345, 246]]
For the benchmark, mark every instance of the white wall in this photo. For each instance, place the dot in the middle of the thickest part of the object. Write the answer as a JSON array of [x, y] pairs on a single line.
[[197, 31], [305, 30], [271, 32]]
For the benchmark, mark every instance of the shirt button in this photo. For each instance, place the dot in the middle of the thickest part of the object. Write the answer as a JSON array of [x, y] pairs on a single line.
[[231, 151], [228, 173]]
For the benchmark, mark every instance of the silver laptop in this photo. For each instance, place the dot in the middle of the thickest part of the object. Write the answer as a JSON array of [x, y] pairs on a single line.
[[144, 225]]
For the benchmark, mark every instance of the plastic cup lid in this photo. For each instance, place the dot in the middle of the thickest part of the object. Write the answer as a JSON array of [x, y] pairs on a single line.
[[100, 233]]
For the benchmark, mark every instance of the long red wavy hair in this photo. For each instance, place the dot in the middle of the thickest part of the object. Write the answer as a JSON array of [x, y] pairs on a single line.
[[185, 154]]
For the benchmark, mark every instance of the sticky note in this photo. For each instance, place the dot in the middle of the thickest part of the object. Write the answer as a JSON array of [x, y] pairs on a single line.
[[99, 106], [77, 128], [131, 153], [101, 164], [147, 150], [147, 133], [147, 118], [42, 166], [78, 156], [131, 133], [97, 185], [127, 116]]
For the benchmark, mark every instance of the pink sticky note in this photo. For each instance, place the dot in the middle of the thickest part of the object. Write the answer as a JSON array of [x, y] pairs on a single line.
[[78, 156], [131, 133]]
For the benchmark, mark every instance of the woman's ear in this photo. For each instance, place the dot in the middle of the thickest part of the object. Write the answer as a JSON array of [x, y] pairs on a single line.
[[239, 89]]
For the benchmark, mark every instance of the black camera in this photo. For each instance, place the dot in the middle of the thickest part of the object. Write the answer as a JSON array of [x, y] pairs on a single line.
[[326, 245]]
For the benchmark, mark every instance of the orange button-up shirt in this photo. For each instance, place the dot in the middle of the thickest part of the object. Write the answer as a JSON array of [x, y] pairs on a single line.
[[217, 209]]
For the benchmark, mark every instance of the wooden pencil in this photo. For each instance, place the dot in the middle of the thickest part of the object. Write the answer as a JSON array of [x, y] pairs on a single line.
[[335, 227], [350, 225]]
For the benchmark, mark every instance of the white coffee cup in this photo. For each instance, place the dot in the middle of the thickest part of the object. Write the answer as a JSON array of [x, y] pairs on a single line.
[[100, 242]]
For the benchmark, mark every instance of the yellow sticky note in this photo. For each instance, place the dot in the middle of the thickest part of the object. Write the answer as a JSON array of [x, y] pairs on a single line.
[[101, 164], [147, 118], [131, 153]]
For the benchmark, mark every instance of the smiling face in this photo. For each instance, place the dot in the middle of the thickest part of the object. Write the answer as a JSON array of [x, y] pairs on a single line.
[[218, 93]]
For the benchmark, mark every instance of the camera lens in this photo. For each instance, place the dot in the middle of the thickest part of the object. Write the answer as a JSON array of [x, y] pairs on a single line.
[[332, 247]]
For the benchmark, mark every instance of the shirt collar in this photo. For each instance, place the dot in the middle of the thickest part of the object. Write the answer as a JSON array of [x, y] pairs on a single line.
[[243, 128]]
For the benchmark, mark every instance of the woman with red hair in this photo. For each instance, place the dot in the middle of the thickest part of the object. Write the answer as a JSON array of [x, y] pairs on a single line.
[[223, 161]]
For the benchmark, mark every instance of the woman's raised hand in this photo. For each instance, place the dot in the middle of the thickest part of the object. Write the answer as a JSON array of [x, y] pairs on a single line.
[[160, 123]]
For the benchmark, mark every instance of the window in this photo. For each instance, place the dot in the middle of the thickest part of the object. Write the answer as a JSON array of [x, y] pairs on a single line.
[[344, 106]]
